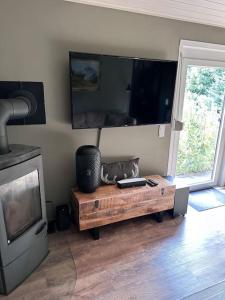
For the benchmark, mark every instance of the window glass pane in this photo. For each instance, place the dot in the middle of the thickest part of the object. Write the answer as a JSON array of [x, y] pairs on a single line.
[[202, 113]]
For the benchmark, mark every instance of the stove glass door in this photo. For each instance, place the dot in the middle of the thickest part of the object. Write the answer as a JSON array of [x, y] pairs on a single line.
[[21, 203]]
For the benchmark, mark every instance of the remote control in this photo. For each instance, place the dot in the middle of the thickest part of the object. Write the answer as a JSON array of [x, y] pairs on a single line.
[[149, 183], [152, 182]]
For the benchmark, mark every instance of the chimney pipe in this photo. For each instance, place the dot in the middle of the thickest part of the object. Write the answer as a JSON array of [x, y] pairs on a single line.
[[19, 106]]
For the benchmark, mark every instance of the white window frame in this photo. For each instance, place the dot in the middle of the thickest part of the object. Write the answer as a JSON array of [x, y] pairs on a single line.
[[196, 53]]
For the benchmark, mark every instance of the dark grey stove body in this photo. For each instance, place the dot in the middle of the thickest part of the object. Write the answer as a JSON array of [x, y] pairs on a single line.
[[23, 224]]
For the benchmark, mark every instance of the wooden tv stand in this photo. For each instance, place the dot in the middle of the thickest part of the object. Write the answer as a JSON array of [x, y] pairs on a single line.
[[109, 204]]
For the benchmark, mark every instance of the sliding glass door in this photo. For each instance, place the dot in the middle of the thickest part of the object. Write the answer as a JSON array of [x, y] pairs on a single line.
[[200, 139], [199, 147]]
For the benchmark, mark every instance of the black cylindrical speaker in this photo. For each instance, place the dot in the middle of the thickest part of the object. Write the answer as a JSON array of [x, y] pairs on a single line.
[[88, 164]]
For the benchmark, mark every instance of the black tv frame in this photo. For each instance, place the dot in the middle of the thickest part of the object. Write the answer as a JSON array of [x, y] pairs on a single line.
[[72, 53]]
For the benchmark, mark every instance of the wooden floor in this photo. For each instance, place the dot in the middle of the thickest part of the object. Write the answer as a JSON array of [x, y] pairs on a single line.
[[182, 258]]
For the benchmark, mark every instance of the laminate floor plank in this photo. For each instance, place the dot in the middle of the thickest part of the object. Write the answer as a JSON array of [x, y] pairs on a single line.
[[181, 258]]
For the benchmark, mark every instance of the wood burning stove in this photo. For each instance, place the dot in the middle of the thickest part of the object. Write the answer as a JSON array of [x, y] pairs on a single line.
[[23, 224]]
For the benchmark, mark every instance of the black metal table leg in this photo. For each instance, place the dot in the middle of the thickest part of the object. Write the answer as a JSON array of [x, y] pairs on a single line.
[[159, 217], [95, 232]]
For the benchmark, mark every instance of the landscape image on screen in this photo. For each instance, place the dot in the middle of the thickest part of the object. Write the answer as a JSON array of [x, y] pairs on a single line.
[[85, 74]]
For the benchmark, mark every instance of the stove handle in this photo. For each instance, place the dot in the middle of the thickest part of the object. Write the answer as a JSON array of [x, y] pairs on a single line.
[[41, 228]]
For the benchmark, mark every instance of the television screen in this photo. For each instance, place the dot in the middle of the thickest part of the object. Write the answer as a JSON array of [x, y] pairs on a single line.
[[111, 91]]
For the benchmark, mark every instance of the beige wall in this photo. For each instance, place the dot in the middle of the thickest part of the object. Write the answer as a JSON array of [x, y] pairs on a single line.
[[35, 37]]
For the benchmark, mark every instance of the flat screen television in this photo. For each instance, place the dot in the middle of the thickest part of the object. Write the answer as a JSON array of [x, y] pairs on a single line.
[[113, 91]]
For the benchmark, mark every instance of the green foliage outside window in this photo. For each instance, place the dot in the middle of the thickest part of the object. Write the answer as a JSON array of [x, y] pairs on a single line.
[[204, 97]]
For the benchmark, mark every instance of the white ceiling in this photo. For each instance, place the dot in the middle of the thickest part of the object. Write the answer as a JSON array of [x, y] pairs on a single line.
[[210, 12]]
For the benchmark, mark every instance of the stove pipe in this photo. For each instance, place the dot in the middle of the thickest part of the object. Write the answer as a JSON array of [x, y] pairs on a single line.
[[20, 105]]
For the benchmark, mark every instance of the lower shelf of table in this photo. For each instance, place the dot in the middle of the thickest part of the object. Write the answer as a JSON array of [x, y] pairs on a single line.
[[95, 232]]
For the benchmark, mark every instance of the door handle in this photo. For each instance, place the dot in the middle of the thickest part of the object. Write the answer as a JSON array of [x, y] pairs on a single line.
[[178, 125]]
